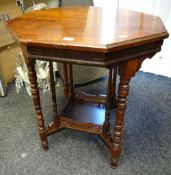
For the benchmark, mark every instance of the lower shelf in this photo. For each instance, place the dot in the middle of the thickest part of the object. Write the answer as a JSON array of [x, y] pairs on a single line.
[[83, 116]]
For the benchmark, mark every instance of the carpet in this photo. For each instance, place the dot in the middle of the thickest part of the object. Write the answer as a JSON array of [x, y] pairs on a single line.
[[146, 141]]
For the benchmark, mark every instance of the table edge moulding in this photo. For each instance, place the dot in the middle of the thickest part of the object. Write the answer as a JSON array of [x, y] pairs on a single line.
[[118, 40]]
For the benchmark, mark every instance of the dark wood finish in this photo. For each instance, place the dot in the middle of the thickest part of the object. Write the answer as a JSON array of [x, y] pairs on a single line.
[[65, 79], [93, 58], [118, 40], [125, 76], [85, 112], [113, 87], [72, 124], [55, 122], [36, 100], [106, 125], [92, 28], [98, 99], [82, 115], [71, 88]]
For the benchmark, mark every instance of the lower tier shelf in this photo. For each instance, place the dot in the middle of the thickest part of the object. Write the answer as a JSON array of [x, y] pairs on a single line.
[[84, 116]]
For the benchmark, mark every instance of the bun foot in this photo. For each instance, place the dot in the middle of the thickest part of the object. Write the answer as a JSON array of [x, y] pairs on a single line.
[[45, 148], [114, 163], [45, 145]]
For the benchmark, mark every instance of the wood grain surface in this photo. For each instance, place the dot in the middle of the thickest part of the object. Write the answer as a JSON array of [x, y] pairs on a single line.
[[87, 28]]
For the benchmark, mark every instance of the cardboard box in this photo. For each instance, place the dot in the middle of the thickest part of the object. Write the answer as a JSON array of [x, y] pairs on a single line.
[[8, 48], [8, 10], [8, 61], [8, 52]]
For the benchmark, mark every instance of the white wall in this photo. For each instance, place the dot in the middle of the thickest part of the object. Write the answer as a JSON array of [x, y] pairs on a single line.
[[105, 3], [161, 62]]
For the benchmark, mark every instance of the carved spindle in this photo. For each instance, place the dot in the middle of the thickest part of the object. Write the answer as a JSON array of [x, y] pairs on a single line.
[[36, 100], [71, 88], [113, 87], [126, 71], [54, 104], [65, 77], [106, 125], [121, 106]]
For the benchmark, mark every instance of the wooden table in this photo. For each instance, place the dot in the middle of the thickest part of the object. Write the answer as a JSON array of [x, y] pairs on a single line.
[[118, 40]]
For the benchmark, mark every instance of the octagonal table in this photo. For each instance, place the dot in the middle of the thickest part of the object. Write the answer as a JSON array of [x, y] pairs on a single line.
[[116, 39]]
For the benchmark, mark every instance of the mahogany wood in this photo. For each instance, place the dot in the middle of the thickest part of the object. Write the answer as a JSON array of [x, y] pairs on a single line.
[[118, 40], [36, 100], [65, 79], [85, 112], [106, 125], [53, 92], [88, 28], [86, 127], [98, 99], [71, 88], [113, 87]]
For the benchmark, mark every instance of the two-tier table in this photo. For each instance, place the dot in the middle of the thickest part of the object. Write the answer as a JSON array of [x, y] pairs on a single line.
[[117, 39]]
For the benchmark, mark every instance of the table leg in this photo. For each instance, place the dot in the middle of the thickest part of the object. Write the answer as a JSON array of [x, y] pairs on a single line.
[[36, 100], [65, 77], [106, 125], [71, 88], [113, 87], [126, 71], [53, 92]]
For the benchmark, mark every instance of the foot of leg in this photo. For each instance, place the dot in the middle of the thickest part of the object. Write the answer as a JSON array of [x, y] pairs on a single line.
[[115, 158], [45, 145]]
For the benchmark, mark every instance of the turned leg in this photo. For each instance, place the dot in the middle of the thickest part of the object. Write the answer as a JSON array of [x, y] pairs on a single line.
[[54, 104], [106, 125], [36, 100], [71, 87], [121, 106], [126, 71], [65, 78], [113, 87]]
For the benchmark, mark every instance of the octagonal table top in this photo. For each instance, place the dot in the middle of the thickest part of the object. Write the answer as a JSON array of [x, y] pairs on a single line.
[[87, 28]]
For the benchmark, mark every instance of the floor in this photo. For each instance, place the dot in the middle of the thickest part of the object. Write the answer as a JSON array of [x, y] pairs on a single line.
[[146, 143]]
